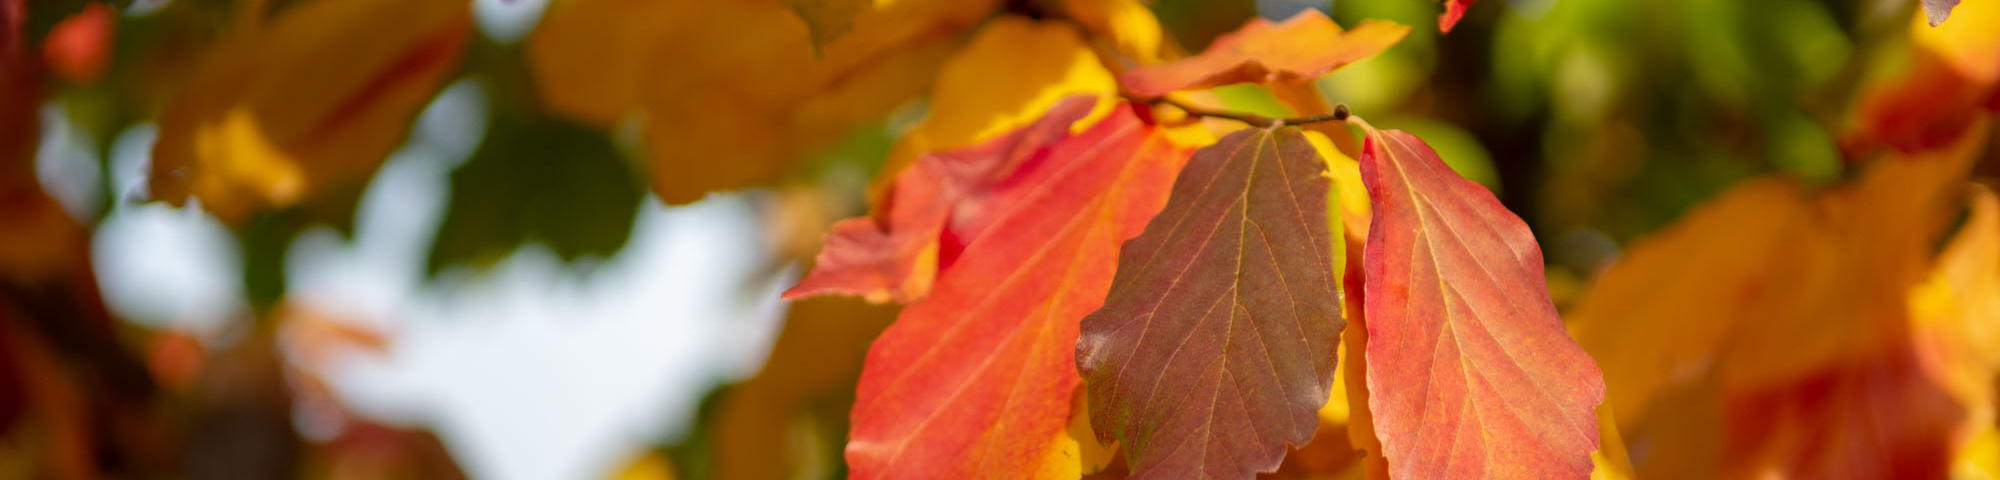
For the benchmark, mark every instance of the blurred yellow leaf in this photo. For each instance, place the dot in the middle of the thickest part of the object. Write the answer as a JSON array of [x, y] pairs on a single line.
[[1128, 23], [651, 466], [1639, 322], [1968, 42], [282, 108], [730, 93], [1788, 309], [1013, 70], [812, 369]]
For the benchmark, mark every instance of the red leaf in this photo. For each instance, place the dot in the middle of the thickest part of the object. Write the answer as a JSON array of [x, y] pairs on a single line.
[[1470, 373], [938, 205], [1194, 388], [78, 48], [976, 379], [1302, 48], [1453, 10]]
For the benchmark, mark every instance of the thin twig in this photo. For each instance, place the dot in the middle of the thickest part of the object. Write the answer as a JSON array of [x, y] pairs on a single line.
[[1339, 113]]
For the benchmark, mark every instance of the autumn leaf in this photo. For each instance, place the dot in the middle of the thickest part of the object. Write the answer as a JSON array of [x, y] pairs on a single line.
[[1951, 81], [1128, 23], [1793, 338], [1453, 11], [1299, 49], [1216, 346], [708, 115], [1470, 373], [79, 48], [937, 207], [1639, 322], [286, 107], [975, 380], [1006, 77]]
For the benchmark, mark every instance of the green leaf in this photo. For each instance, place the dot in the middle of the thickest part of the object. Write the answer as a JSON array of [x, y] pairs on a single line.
[[541, 180]]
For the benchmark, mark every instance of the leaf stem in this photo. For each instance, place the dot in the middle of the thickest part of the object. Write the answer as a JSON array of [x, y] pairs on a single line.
[[1340, 113]]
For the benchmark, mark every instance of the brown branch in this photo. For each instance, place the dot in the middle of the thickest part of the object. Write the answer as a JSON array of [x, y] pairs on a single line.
[[1340, 113]]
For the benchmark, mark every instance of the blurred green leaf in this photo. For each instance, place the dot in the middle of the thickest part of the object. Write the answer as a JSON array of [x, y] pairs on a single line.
[[541, 180]]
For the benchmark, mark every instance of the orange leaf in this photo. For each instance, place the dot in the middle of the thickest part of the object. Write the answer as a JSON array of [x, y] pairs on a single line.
[[1217, 344], [1954, 68], [717, 84], [1470, 374], [79, 47], [976, 379], [938, 205], [1300, 49], [284, 108]]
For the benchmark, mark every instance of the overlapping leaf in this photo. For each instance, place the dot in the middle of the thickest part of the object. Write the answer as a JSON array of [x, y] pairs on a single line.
[[1470, 373], [1299, 49], [975, 380], [1793, 351], [1951, 80], [1217, 343], [937, 207], [1007, 76], [294, 105], [728, 94]]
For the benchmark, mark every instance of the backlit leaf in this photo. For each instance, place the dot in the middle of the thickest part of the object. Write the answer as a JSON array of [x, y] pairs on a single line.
[[1008, 76], [1951, 80], [1470, 374], [1216, 346], [732, 93], [976, 379], [295, 105], [1790, 351], [936, 208], [1299, 49]]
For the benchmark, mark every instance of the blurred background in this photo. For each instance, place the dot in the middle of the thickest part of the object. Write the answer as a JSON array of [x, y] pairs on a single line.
[[464, 262]]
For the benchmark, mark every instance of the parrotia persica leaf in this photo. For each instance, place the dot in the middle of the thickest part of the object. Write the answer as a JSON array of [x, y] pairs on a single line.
[[733, 93], [1300, 49], [1216, 346], [286, 107], [976, 379], [1006, 77], [1470, 374], [936, 207]]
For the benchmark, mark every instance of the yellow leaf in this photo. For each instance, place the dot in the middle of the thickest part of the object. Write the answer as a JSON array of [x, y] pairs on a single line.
[[1968, 41], [1013, 70], [1128, 23], [728, 94], [1655, 320], [812, 369], [286, 107]]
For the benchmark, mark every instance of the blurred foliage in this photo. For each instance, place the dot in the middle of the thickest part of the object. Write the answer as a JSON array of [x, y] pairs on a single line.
[[540, 180], [1597, 121]]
